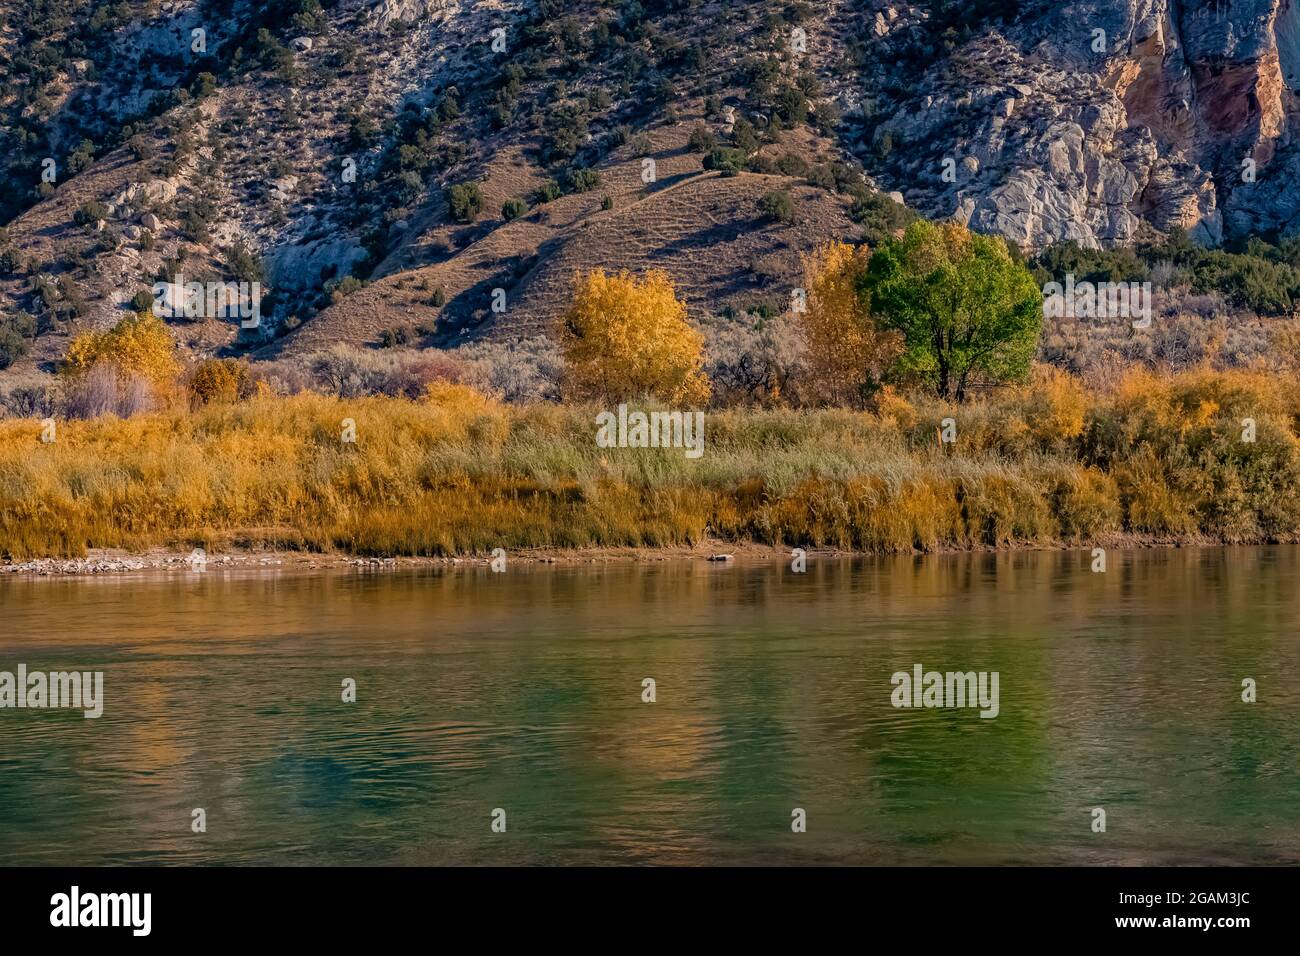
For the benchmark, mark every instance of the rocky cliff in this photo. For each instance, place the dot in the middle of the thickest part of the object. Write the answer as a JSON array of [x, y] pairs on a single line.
[[1087, 120]]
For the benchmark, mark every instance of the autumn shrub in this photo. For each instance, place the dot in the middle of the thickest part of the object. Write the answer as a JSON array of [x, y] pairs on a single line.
[[755, 361], [519, 370], [221, 380], [125, 370], [1055, 406], [1046, 415], [1214, 452], [139, 345], [1086, 504], [108, 389], [350, 372]]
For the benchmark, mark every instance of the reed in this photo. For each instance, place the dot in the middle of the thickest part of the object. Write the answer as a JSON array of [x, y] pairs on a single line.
[[457, 472]]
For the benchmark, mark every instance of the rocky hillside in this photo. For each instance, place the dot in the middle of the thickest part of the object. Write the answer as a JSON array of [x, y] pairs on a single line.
[[435, 171]]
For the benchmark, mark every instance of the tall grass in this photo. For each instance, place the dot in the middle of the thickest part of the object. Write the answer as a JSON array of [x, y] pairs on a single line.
[[459, 473]]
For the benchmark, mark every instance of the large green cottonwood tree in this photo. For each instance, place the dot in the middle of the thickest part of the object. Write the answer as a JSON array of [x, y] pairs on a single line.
[[963, 304]]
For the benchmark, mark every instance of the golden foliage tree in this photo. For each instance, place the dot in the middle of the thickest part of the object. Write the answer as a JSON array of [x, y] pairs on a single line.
[[140, 345], [846, 352], [626, 337]]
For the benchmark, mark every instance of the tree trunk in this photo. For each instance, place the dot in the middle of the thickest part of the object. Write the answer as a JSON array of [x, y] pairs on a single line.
[[942, 357]]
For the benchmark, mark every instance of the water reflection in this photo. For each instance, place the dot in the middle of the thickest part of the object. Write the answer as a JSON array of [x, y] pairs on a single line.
[[522, 691]]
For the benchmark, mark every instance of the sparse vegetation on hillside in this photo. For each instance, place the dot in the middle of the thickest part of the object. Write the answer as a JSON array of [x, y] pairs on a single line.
[[1259, 276]]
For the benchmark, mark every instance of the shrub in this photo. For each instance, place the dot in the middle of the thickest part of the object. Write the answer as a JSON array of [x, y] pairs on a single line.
[[583, 180], [1086, 503], [792, 165], [221, 381], [1176, 449], [702, 140], [140, 345], [244, 264], [743, 135], [394, 336], [28, 401], [12, 346], [513, 209], [778, 206], [726, 160], [1055, 407], [339, 289], [625, 337], [82, 157], [882, 218], [756, 362], [465, 201], [107, 389], [523, 370], [791, 106], [549, 191], [16, 331], [89, 213], [11, 261], [204, 85], [351, 373]]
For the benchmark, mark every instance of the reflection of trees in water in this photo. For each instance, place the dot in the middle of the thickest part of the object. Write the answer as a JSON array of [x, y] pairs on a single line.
[[523, 690]]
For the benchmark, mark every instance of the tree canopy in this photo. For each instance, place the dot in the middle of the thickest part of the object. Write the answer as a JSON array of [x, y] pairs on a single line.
[[964, 306]]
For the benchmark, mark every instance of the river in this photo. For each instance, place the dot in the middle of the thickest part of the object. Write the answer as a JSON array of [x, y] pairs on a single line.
[[523, 692]]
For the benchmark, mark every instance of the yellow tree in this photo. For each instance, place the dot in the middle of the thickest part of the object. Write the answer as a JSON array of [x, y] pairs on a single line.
[[139, 345], [626, 337], [846, 352]]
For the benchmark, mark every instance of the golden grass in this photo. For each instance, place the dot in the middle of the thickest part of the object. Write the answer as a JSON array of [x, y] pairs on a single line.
[[460, 473]]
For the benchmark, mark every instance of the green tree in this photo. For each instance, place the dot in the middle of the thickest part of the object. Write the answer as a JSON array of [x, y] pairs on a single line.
[[963, 305]]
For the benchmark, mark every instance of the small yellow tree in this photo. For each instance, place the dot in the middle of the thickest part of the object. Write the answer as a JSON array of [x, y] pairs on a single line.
[[139, 345], [625, 337], [846, 352], [221, 381]]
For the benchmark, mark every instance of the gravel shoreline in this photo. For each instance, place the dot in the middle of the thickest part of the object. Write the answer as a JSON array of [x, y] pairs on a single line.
[[107, 563]]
